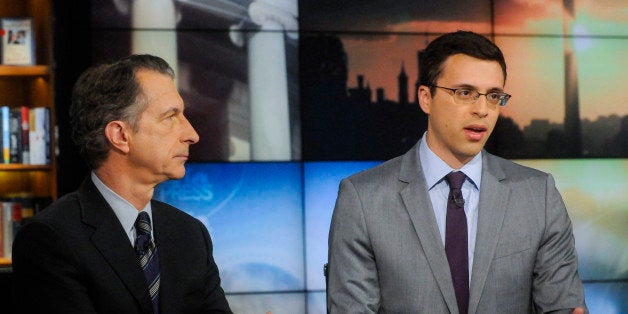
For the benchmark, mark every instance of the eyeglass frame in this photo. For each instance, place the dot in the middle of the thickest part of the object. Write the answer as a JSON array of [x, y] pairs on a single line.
[[503, 99]]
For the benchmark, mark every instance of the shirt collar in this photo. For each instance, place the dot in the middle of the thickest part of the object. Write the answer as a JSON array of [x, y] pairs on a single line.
[[434, 168], [126, 213]]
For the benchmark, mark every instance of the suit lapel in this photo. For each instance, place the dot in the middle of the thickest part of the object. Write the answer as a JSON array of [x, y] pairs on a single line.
[[110, 239], [419, 207], [491, 211]]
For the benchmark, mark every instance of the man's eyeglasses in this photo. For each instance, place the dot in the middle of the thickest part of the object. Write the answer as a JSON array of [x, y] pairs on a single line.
[[470, 96]]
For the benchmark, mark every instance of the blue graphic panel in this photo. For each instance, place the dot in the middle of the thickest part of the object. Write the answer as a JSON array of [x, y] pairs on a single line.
[[321, 181], [253, 212], [607, 297]]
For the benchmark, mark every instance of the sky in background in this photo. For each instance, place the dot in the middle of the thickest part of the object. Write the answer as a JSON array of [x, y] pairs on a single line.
[[530, 35]]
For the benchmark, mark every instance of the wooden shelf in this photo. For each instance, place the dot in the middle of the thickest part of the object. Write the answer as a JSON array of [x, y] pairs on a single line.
[[21, 70], [30, 86], [22, 167]]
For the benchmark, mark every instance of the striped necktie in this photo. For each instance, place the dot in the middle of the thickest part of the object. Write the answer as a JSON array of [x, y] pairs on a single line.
[[148, 257]]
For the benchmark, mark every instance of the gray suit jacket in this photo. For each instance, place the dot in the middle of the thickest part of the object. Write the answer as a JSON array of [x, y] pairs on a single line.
[[386, 255]]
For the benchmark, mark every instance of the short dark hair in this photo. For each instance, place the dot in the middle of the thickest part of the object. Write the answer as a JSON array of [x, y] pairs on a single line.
[[460, 42], [105, 93]]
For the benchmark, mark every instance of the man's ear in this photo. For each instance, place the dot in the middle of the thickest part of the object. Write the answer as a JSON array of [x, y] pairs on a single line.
[[117, 134], [425, 98]]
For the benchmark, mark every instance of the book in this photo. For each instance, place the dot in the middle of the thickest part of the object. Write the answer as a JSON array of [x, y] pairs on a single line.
[[1, 230], [15, 210], [24, 111], [16, 219], [39, 136], [26, 201], [18, 44], [29, 203], [7, 228], [15, 135], [6, 139]]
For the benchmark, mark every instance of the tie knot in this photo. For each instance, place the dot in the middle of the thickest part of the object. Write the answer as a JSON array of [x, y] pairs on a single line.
[[455, 179], [142, 224]]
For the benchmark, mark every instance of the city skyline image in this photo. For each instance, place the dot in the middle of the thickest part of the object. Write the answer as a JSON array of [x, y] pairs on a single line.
[[560, 59]]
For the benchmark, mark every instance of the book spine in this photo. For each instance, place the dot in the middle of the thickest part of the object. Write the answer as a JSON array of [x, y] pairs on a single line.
[[15, 210], [16, 216], [2, 255], [7, 228], [47, 133], [6, 142], [38, 135], [15, 129], [24, 111]]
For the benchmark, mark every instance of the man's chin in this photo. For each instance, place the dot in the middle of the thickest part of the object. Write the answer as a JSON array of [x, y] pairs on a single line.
[[176, 175], [469, 151]]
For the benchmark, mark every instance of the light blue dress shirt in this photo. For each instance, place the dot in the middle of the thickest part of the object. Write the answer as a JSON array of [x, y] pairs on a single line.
[[126, 213], [435, 170]]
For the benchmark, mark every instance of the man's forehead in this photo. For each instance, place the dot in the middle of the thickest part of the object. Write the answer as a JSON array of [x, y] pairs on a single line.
[[457, 64]]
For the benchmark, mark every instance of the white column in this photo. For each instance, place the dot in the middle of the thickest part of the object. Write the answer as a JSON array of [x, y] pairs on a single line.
[[156, 20], [268, 80]]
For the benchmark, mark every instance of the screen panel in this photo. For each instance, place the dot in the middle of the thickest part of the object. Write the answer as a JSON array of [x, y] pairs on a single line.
[[320, 188], [394, 16], [598, 212], [555, 54], [581, 18], [194, 14], [354, 104], [253, 212], [275, 303], [316, 303], [607, 297]]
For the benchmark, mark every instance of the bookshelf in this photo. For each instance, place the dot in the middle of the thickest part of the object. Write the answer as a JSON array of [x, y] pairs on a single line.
[[30, 86]]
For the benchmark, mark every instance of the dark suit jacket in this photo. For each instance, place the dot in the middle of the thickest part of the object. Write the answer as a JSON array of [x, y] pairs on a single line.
[[386, 254], [75, 257]]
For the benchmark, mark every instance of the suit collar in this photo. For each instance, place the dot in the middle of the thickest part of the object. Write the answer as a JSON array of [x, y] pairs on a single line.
[[111, 241]]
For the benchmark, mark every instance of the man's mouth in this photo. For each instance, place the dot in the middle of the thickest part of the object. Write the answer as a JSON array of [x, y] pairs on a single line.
[[475, 132]]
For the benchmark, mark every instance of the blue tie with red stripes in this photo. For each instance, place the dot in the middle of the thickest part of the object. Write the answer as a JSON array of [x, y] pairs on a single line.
[[147, 254]]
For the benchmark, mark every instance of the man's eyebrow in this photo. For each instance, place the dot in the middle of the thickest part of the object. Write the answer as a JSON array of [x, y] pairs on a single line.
[[469, 86], [171, 110], [465, 86]]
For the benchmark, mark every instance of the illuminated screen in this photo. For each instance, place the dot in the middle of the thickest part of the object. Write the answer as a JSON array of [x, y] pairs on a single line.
[[598, 212], [351, 71], [254, 214], [262, 216], [320, 188]]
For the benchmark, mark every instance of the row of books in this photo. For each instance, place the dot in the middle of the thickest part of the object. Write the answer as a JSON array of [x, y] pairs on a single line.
[[25, 135], [16, 209]]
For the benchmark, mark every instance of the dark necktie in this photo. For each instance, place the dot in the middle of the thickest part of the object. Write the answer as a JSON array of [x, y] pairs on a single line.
[[147, 255], [456, 240]]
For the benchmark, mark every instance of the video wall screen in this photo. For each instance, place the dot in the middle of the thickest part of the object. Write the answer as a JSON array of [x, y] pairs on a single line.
[[320, 187], [287, 107], [404, 16], [240, 85], [254, 214], [270, 221]]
